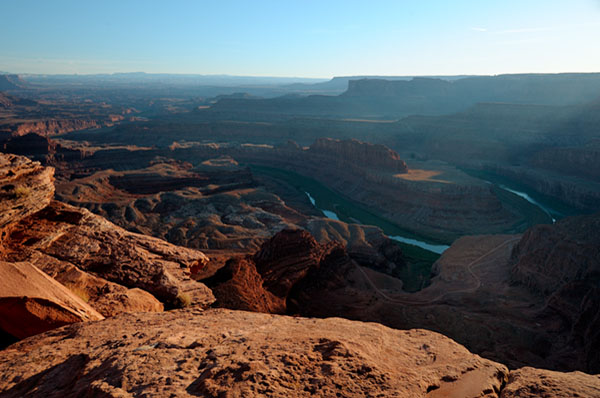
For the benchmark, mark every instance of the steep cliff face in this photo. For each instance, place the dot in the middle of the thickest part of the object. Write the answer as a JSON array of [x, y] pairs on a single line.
[[555, 89], [418, 87], [55, 127], [40, 148], [562, 264], [578, 161], [362, 153], [551, 256]]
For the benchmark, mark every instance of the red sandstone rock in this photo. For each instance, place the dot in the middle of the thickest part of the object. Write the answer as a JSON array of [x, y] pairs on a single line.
[[238, 285], [54, 126], [287, 257], [100, 261], [96, 245], [31, 302], [25, 187], [362, 153], [263, 282], [221, 353], [561, 264], [108, 298], [533, 383]]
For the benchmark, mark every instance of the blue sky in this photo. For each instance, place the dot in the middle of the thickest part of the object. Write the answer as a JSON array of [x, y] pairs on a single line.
[[303, 38]]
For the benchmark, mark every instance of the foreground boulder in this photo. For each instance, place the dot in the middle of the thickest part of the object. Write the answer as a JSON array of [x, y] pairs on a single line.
[[220, 353], [31, 302]]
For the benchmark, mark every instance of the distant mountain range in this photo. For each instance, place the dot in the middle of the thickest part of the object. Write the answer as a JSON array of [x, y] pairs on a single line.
[[393, 99]]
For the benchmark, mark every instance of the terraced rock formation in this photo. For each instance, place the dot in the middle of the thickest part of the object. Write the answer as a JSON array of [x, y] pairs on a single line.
[[63, 264]]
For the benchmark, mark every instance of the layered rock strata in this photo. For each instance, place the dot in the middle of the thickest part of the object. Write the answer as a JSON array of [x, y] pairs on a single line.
[[63, 264]]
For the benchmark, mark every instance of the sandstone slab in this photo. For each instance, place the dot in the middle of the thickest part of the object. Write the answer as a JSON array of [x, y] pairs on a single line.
[[222, 353], [31, 302]]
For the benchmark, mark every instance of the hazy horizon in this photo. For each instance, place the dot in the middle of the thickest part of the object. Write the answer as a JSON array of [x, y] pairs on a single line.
[[317, 78], [303, 39]]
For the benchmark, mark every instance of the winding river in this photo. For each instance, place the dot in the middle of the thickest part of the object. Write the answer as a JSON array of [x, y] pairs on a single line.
[[439, 249], [528, 198]]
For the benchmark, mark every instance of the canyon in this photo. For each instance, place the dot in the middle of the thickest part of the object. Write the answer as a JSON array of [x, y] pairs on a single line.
[[290, 274], [232, 245]]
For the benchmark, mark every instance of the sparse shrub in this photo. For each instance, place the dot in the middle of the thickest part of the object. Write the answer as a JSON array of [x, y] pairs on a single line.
[[183, 300], [21, 192], [79, 292]]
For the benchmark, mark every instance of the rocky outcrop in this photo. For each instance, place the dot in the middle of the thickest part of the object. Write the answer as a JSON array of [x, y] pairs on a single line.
[[82, 255], [533, 383], [40, 148], [552, 256], [31, 302], [365, 244], [108, 298], [356, 152], [238, 285], [54, 127], [25, 187], [264, 281], [96, 245], [288, 257], [220, 353]]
